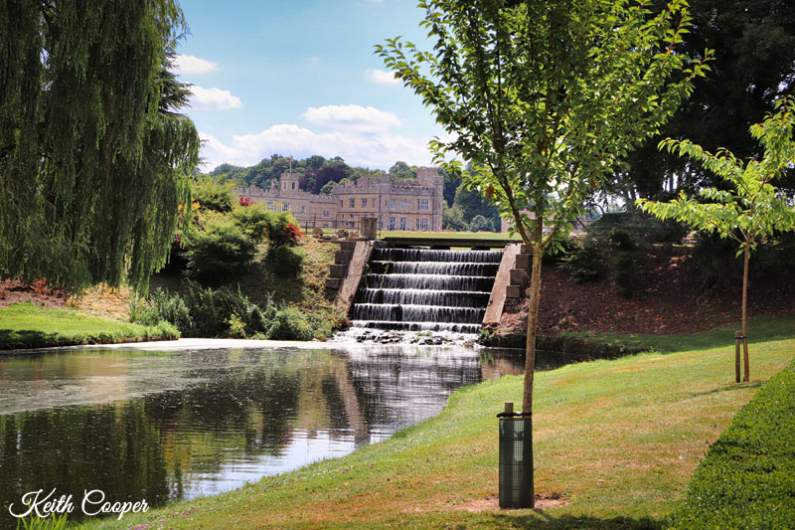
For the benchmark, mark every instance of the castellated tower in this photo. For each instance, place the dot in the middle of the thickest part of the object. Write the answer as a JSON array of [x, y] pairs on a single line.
[[289, 181]]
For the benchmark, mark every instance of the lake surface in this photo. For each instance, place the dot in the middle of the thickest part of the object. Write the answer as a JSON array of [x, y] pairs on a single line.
[[176, 425]]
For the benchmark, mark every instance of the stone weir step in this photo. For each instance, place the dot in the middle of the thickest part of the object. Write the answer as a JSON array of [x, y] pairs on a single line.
[[425, 289]]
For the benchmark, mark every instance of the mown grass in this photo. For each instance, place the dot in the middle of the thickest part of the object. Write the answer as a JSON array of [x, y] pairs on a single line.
[[760, 329], [616, 441], [25, 325], [746, 480]]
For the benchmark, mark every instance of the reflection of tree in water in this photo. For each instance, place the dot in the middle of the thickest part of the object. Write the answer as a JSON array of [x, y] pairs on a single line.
[[108, 447], [232, 408]]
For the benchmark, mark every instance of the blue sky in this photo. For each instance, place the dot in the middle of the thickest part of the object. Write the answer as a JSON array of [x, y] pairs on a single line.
[[299, 77]]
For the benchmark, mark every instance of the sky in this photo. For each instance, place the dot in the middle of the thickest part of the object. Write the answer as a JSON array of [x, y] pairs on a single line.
[[300, 77]]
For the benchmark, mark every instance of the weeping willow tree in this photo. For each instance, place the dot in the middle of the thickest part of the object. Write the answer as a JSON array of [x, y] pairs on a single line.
[[94, 155]]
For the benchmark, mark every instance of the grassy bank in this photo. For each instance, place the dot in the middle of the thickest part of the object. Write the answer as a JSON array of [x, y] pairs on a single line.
[[616, 443], [29, 326]]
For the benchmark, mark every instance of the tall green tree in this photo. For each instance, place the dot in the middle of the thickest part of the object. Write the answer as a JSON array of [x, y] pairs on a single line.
[[754, 51], [752, 208], [94, 155], [545, 98]]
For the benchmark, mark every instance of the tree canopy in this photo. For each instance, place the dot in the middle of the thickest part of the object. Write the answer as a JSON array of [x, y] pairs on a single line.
[[754, 50], [94, 155]]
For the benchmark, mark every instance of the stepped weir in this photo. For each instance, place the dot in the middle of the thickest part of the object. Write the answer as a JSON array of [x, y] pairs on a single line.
[[425, 289]]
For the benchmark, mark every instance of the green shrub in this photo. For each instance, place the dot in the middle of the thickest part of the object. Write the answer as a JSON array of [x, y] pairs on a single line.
[[212, 195], [254, 220], [286, 261], [283, 229], [218, 249], [481, 224], [160, 307], [290, 324], [583, 262], [620, 239], [626, 272], [746, 480], [223, 313]]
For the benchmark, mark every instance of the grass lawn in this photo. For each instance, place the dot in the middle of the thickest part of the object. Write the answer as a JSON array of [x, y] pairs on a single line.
[[760, 329], [31, 326], [616, 443]]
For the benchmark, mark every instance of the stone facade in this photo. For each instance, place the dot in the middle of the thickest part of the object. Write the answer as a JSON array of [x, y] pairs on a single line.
[[398, 204]]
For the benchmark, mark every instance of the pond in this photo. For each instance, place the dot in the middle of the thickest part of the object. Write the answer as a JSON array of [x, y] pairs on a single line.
[[176, 425]]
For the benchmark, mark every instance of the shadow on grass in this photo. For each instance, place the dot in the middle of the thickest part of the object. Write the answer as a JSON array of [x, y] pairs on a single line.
[[760, 329], [728, 388], [541, 520]]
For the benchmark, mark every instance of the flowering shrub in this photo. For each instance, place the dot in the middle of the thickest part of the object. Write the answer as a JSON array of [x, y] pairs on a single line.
[[288, 235], [245, 201]]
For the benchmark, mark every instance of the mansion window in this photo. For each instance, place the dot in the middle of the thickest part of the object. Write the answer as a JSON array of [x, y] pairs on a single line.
[[393, 203], [404, 204], [364, 203], [422, 223], [402, 223], [303, 209], [392, 223], [325, 213], [423, 204], [285, 206], [352, 203]]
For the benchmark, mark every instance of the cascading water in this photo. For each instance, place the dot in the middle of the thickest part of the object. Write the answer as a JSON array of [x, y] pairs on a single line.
[[426, 290]]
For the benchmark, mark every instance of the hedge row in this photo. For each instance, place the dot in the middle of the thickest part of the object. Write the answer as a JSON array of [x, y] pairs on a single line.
[[747, 479]]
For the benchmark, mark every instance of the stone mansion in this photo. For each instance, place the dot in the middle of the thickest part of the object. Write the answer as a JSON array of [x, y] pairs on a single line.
[[398, 204]]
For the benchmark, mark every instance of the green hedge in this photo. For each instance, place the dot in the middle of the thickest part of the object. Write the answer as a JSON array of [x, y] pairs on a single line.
[[747, 479]]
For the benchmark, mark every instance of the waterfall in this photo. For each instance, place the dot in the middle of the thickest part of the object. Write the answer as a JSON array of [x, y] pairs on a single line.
[[426, 290]]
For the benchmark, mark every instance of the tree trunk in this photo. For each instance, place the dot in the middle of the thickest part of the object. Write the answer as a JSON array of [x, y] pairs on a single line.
[[532, 323], [746, 258], [530, 350]]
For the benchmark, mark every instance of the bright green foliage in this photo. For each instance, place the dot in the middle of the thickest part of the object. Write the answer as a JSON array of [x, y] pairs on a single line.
[[219, 248], [212, 195], [746, 480], [453, 218], [545, 97], [255, 221], [753, 208], [93, 155]]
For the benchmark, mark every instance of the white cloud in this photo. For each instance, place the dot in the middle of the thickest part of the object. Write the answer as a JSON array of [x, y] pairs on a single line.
[[381, 77], [358, 145], [188, 64], [213, 99], [351, 118]]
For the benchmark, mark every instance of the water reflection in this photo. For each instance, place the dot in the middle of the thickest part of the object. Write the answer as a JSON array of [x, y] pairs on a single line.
[[177, 425]]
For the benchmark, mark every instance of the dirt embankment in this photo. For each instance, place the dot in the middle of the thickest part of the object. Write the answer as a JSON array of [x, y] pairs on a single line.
[[668, 300]]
